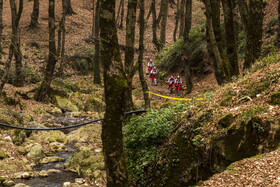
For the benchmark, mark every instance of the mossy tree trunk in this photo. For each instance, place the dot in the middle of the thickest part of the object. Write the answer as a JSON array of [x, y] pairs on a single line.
[[213, 48], [14, 48], [115, 87], [186, 47], [163, 23], [96, 60], [61, 37], [182, 18], [141, 52], [216, 23], [252, 14], [41, 94], [35, 15], [1, 28], [16, 14], [154, 25], [177, 15], [129, 50], [69, 9], [231, 36], [278, 29], [93, 21]]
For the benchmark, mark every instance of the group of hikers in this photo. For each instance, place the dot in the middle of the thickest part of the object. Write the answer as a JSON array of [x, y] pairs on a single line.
[[173, 83]]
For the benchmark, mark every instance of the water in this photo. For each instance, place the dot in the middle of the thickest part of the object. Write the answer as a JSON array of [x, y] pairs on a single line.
[[54, 179]]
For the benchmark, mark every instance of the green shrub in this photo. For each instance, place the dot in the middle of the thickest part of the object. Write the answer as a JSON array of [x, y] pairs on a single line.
[[143, 137], [170, 59]]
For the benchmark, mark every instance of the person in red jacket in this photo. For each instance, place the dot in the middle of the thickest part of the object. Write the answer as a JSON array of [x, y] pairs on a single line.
[[150, 65], [171, 83], [153, 75], [178, 84]]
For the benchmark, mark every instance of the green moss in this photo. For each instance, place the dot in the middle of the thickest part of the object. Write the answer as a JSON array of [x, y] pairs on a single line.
[[275, 98], [257, 87], [226, 120]]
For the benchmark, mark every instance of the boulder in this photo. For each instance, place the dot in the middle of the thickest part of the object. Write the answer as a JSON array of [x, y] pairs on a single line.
[[25, 175], [64, 103], [8, 139], [43, 173], [56, 146], [52, 159], [275, 98], [36, 153], [9, 183], [5, 165]]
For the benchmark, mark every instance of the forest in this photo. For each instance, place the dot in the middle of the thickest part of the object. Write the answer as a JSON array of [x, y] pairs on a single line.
[[139, 93]]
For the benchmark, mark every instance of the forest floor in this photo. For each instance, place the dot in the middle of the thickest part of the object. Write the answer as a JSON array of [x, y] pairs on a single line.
[[262, 171]]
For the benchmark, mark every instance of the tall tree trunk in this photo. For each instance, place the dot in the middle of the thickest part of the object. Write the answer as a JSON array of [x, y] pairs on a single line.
[[62, 33], [186, 47], [16, 15], [129, 50], [176, 21], [141, 52], [115, 87], [35, 15], [69, 9], [213, 45], [1, 27], [41, 94], [163, 24], [154, 25], [7, 68], [231, 36], [182, 18], [93, 22], [254, 31], [149, 13], [96, 61], [122, 14], [160, 12], [278, 30], [243, 9]]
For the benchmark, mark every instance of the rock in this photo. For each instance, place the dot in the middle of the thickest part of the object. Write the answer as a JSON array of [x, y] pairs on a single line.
[[54, 171], [3, 154], [9, 183], [18, 136], [21, 185], [56, 111], [22, 150], [80, 180], [2, 179], [66, 184], [43, 173], [5, 165], [94, 104], [26, 175], [55, 136], [98, 151], [56, 146], [17, 175], [226, 120], [36, 153], [64, 103], [52, 159], [275, 98], [8, 139]]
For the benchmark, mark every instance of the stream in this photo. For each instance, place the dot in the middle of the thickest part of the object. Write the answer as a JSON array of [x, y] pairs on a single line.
[[56, 179]]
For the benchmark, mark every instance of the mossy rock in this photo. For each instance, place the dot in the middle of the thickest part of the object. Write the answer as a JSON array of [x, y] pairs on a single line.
[[275, 98], [93, 104], [22, 150], [18, 136], [53, 136], [65, 103], [85, 163], [226, 120], [5, 165], [36, 153], [3, 154]]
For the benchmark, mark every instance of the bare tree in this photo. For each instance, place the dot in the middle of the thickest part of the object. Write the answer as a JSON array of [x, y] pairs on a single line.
[[163, 24], [61, 39], [154, 25], [140, 57], [182, 18], [186, 46], [176, 20], [96, 61], [278, 30], [35, 15], [1, 27], [115, 87], [69, 9], [129, 49], [41, 94]]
